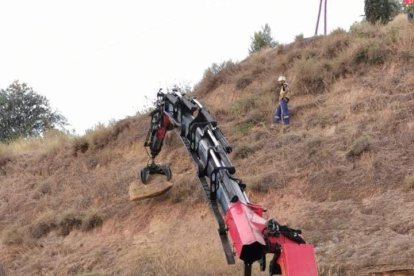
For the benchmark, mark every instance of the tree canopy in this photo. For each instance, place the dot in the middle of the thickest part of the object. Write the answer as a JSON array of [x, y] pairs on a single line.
[[381, 10], [262, 39], [24, 113]]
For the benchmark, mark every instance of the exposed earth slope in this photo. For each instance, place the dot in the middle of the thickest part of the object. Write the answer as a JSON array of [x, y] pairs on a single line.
[[343, 172]]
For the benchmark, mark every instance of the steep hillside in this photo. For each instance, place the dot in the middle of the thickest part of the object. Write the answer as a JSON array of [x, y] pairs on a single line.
[[343, 172]]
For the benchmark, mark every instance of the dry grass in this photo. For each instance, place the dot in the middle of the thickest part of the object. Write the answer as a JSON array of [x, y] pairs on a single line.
[[342, 172], [43, 224], [243, 151], [216, 75], [265, 182], [12, 236], [100, 136], [409, 182], [92, 219], [52, 142], [186, 190], [359, 146]]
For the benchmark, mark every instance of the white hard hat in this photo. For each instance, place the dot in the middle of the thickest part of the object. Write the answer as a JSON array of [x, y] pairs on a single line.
[[281, 78]]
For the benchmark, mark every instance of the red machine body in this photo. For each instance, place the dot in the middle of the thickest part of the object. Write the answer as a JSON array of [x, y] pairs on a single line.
[[246, 226], [296, 259], [247, 229]]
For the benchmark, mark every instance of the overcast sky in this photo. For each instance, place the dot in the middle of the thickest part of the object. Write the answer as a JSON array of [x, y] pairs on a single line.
[[98, 60]]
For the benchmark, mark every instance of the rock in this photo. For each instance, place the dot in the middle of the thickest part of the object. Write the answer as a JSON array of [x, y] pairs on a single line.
[[139, 191]]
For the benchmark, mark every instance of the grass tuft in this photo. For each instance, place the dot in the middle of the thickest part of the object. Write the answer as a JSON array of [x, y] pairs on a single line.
[[186, 190], [243, 82], [68, 221], [12, 236], [243, 151], [359, 146], [263, 183], [409, 182], [92, 220], [43, 187], [243, 128]]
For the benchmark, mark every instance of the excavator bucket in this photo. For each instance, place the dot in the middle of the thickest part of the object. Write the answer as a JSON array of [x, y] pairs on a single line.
[[154, 169], [139, 191]]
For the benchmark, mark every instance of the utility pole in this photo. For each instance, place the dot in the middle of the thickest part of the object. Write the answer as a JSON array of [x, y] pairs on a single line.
[[325, 17], [319, 16]]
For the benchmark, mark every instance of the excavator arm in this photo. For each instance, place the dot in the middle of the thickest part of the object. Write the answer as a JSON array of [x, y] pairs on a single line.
[[251, 234]]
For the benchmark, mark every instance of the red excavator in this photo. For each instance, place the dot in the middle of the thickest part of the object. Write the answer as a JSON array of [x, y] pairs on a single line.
[[251, 234]]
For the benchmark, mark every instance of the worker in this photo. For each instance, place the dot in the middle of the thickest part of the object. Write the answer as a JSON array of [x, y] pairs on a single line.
[[282, 111]]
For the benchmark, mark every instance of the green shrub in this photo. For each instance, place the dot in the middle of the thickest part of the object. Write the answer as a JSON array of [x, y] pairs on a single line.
[[262, 39], [25, 113], [381, 10], [359, 146]]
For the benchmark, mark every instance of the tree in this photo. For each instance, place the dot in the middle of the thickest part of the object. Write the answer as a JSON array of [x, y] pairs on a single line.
[[262, 39], [381, 10], [24, 113]]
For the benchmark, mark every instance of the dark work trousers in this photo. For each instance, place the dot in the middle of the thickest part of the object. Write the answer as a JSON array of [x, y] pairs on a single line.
[[281, 112]]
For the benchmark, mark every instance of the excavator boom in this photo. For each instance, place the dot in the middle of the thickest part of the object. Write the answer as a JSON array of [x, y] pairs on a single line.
[[251, 234]]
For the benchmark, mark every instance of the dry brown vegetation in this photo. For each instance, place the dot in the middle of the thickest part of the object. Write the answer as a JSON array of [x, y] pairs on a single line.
[[343, 171]]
